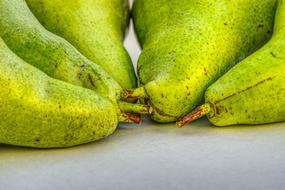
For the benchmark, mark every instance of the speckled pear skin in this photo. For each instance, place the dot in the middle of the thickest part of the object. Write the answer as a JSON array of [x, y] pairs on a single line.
[[25, 36], [253, 92], [188, 44], [95, 27], [39, 111]]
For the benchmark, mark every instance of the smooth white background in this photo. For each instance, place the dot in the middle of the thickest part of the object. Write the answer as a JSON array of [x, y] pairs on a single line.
[[153, 156]]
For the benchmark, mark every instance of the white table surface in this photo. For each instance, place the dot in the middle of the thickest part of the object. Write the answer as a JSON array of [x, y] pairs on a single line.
[[152, 156]]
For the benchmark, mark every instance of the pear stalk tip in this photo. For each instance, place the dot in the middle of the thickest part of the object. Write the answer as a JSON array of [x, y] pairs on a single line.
[[197, 113], [126, 107], [130, 118], [137, 93]]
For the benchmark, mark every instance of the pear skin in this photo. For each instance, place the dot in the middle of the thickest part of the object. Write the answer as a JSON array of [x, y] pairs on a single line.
[[39, 111], [253, 92], [26, 37], [188, 45], [96, 28]]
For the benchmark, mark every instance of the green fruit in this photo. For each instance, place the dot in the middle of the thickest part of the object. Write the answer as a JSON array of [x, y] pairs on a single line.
[[56, 57], [39, 111], [187, 45], [253, 92], [96, 28], [25, 36]]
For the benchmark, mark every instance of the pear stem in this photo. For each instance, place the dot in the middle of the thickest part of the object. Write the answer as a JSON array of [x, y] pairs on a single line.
[[137, 93], [194, 115], [130, 118], [126, 107]]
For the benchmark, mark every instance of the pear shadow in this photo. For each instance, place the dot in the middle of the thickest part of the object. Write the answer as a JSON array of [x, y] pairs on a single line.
[[280, 126], [126, 133], [151, 127], [122, 134], [201, 126]]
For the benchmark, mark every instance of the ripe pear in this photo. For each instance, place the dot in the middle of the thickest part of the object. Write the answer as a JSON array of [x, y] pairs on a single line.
[[253, 92], [26, 37], [96, 28], [187, 45], [39, 111]]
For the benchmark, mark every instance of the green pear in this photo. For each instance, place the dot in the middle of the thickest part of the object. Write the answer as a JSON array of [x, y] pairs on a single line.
[[96, 28], [187, 45], [25, 36], [39, 111], [253, 92]]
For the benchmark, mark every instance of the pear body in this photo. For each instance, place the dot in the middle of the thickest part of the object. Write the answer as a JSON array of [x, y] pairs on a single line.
[[25, 36], [96, 28], [187, 45], [253, 92], [39, 111]]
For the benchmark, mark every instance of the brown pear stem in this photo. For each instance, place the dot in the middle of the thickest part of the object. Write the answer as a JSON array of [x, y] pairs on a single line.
[[126, 107], [130, 118], [194, 115], [137, 93]]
